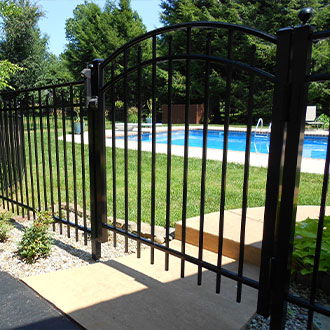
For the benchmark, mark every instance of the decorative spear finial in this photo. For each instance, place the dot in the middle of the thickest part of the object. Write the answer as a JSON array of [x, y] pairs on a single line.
[[305, 14]]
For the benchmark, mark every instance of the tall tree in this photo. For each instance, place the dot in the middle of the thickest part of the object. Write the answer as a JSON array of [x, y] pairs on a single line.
[[264, 15], [7, 69], [96, 33], [23, 44]]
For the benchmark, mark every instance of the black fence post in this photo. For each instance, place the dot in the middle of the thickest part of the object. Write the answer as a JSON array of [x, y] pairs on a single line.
[[299, 67], [97, 162]]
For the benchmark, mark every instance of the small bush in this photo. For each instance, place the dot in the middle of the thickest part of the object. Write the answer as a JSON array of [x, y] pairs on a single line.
[[5, 225], [132, 115], [36, 242], [323, 119], [304, 246]]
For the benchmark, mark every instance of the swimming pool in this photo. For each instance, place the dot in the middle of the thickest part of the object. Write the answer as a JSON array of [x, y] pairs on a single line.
[[314, 146]]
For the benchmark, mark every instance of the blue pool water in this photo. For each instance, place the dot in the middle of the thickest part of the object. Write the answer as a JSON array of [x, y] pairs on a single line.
[[314, 146]]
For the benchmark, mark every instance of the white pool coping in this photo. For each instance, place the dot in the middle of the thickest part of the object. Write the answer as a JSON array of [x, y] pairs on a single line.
[[308, 165]]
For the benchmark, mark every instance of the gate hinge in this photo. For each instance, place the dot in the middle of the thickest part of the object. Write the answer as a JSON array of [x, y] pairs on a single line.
[[93, 103]]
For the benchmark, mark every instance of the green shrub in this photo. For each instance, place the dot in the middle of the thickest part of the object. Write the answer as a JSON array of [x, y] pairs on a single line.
[[323, 119], [36, 242], [304, 246], [132, 115], [5, 225], [119, 104]]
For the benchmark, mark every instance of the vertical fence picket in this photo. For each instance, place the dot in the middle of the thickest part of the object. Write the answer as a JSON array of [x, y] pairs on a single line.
[[169, 150], [204, 157], [4, 177], [224, 157], [114, 169], [319, 236], [36, 151], [18, 138], [7, 159], [65, 161], [12, 162], [186, 150], [2, 168], [153, 143], [139, 152], [72, 110], [42, 148], [57, 155], [23, 108], [246, 177], [30, 152], [50, 163], [125, 88]]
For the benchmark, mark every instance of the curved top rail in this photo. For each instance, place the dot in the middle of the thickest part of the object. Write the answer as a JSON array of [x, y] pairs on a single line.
[[199, 24], [267, 76]]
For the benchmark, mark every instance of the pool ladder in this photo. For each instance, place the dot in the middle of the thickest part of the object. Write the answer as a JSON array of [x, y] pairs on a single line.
[[261, 124]]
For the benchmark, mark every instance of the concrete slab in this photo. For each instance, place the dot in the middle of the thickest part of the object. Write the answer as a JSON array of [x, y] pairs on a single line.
[[129, 293], [232, 228]]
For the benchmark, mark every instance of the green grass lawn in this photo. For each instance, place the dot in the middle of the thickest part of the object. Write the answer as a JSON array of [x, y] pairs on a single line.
[[310, 189]]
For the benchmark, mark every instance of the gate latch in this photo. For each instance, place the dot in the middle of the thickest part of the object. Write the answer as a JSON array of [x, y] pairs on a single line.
[[93, 103]]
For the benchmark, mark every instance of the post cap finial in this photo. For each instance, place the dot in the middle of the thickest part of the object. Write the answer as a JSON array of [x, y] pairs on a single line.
[[305, 14]]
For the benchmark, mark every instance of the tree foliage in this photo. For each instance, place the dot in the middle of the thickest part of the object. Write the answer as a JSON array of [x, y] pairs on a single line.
[[23, 49], [7, 69], [266, 15], [96, 33], [22, 43]]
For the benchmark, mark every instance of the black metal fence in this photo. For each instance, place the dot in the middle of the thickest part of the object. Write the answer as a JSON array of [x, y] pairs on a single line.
[[52, 170], [38, 147], [11, 150]]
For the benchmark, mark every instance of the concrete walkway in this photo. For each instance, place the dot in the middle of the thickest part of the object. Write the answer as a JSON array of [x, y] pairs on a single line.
[[129, 293], [22, 308]]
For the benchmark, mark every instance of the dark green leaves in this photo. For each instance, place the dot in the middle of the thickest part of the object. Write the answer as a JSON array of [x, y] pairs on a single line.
[[305, 243]]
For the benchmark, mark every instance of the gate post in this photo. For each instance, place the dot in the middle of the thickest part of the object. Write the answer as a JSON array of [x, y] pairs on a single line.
[[97, 161], [282, 195]]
